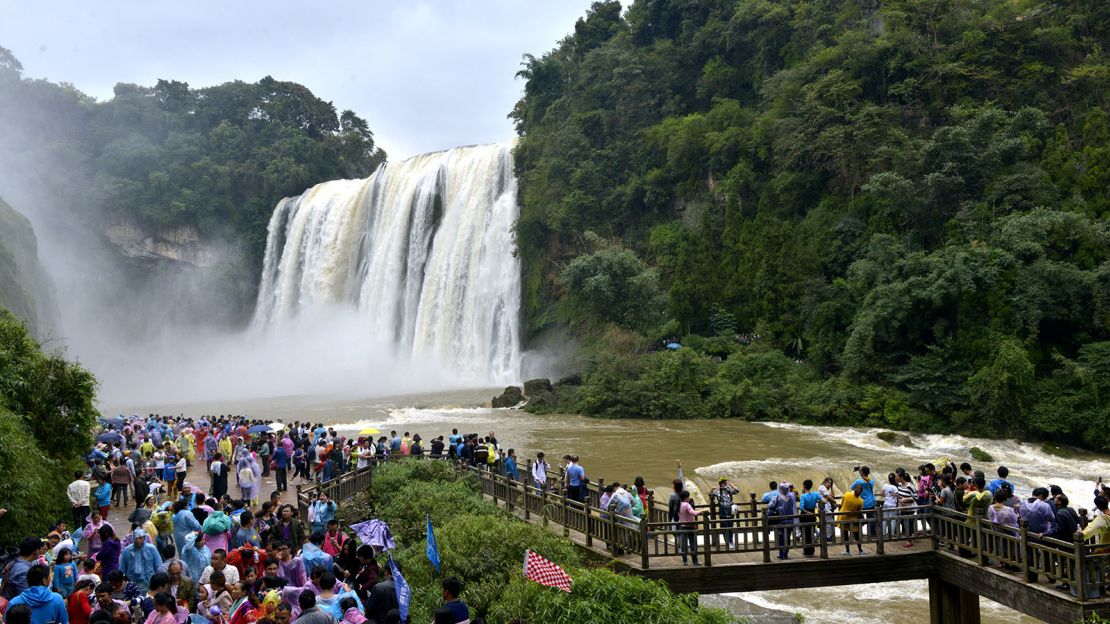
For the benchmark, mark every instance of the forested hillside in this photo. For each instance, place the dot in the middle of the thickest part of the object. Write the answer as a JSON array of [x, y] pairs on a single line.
[[174, 163], [888, 212]]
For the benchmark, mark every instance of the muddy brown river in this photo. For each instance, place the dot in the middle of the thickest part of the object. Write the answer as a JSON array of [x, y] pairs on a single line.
[[751, 454]]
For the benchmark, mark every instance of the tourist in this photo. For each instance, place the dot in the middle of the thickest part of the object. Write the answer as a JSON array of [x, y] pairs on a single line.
[[111, 549], [181, 586], [314, 556], [867, 495], [827, 490], [280, 462], [246, 533], [576, 480], [289, 529], [196, 554], [218, 563], [91, 532], [782, 511], [452, 589], [46, 606], [808, 504], [140, 559], [1099, 527], [184, 522], [321, 513], [310, 613], [510, 466], [687, 519], [165, 610], [79, 604], [65, 573], [220, 472], [121, 477], [725, 491], [245, 478], [890, 505], [850, 516], [907, 500], [1001, 481], [539, 472], [78, 492], [1039, 516], [103, 496], [769, 495]]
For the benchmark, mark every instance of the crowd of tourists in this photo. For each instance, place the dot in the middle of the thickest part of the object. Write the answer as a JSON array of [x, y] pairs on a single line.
[[171, 523]]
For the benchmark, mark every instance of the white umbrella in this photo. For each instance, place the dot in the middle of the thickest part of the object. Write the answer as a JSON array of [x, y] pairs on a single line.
[[277, 427]]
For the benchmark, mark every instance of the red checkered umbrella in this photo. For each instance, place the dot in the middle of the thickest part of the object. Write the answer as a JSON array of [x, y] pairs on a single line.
[[544, 572]]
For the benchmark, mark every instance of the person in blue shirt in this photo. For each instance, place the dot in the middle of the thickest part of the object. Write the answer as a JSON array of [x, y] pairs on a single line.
[[394, 442], [1001, 481], [868, 496], [510, 466], [452, 587], [770, 494], [280, 460], [807, 504], [140, 560], [46, 606], [65, 573], [576, 480]]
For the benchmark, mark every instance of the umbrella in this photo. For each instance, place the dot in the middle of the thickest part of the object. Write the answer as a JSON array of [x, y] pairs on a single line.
[[114, 421], [259, 429], [673, 346], [277, 427], [109, 436], [369, 431]]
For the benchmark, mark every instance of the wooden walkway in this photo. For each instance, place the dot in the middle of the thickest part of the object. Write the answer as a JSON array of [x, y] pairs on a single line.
[[962, 557]]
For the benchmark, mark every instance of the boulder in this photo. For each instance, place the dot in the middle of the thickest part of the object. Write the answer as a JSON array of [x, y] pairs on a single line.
[[980, 455], [511, 397], [570, 380], [536, 387], [894, 438]]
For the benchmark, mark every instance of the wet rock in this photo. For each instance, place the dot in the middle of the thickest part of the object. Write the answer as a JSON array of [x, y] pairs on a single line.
[[570, 380], [980, 455], [536, 387], [511, 397], [894, 438]]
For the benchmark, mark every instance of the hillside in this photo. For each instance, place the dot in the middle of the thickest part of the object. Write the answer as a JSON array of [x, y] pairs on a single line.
[[25, 289], [886, 212]]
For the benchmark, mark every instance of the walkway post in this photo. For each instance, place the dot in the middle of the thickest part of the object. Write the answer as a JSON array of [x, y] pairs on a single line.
[[1026, 552], [980, 551], [708, 540], [644, 542], [765, 537], [589, 537], [1081, 566], [713, 511], [879, 546], [543, 506], [651, 506], [823, 523]]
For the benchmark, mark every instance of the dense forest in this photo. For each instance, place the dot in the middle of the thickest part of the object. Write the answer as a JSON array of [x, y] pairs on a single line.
[[891, 212], [213, 160]]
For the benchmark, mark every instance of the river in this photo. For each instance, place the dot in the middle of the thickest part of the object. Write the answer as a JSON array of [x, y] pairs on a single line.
[[751, 454]]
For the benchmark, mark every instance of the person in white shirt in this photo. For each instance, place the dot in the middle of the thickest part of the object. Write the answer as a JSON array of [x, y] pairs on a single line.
[[219, 562], [78, 494], [539, 472]]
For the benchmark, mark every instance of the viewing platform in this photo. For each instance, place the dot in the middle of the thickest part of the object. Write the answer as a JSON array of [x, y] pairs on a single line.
[[962, 557]]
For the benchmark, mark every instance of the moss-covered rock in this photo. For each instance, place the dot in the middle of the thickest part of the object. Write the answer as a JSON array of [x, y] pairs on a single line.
[[980, 455]]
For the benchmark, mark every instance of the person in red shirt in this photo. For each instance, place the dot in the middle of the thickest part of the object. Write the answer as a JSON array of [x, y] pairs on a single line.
[[78, 606]]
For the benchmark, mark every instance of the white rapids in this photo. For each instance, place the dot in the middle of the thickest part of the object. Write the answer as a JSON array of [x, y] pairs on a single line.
[[423, 248]]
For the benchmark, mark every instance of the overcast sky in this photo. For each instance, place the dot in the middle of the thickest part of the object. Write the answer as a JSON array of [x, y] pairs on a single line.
[[426, 75]]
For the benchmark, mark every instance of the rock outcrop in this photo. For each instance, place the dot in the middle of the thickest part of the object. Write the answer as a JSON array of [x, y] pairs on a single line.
[[511, 397], [178, 244]]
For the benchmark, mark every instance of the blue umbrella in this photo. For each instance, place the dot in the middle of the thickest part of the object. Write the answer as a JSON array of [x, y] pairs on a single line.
[[114, 421], [110, 436], [260, 429], [673, 346]]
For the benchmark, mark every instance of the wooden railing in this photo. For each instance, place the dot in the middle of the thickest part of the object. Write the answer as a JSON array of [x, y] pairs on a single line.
[[819, 535], [340, 489], [972, 539]]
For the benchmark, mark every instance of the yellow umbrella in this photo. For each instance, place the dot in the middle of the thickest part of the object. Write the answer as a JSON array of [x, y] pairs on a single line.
[[369, 431]]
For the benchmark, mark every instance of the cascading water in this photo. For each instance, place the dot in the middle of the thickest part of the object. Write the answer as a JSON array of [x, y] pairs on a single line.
[[424, 248]]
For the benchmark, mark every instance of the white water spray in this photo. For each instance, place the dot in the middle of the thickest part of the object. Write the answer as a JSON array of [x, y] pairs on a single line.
[[423, 248]]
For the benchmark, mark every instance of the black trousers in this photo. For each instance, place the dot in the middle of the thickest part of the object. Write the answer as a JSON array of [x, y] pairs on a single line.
[[279, 477]]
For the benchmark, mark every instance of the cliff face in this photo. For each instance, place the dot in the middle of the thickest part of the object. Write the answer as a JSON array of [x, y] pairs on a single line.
[[25, 288], [176, 245]]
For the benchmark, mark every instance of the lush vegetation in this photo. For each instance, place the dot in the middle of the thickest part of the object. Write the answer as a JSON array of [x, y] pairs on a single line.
[[214, 160], [46, 420], [887, 212], [24, 288], [484, 546]]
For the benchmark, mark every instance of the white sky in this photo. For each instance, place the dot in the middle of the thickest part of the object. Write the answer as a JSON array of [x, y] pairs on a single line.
[[426, 75]]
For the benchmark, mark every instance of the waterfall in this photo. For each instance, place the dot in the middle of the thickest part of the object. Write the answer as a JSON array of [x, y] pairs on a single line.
[[423, 248]]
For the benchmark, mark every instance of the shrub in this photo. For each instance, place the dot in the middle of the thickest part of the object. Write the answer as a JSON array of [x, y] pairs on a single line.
[[602, 597]]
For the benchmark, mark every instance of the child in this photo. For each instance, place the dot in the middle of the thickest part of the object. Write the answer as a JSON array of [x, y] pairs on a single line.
[[65, 573], [351, 614], [88, 571], [78, 606]]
